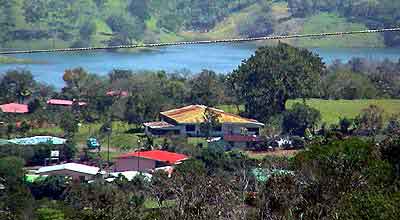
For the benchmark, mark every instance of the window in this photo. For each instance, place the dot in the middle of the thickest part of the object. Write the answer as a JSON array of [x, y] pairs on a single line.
[[190, 128], [218, 128], [254, 130]]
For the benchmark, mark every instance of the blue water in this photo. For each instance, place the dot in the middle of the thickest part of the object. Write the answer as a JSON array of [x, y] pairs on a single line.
[[222, 58]]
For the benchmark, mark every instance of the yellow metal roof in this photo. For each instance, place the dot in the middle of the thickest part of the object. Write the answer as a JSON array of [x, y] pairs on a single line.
[[194, 114]]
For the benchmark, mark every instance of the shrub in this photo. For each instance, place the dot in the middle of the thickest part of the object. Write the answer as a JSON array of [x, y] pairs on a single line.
[[300, 118]]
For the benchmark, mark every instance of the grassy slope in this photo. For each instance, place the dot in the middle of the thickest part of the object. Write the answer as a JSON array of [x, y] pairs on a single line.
[[326, 22], [333, 110]]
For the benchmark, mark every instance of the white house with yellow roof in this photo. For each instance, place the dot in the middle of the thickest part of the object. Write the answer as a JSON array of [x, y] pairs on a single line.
[[186, 121]]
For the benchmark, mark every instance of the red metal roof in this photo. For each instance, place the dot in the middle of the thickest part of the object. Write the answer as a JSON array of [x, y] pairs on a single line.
[[63, 102], [158, 155], [14, 108], [242, 138]]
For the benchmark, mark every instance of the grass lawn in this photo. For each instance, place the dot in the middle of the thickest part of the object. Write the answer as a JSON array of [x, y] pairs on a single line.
[[333, 110]]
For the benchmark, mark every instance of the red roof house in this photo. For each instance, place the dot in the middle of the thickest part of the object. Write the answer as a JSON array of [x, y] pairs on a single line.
[[63, 102], [14, 108], [147, 160]]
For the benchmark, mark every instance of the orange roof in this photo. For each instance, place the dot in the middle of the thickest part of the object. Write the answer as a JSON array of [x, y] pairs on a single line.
[[193, 114]]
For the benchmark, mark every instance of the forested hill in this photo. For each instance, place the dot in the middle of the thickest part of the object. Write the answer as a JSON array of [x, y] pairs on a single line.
[[77, 23]]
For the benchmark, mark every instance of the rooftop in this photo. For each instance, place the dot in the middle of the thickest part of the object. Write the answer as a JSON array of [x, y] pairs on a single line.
[[63, 102], [194, 114], [157, 155], [80, 168], [158, 124], [14, 108]]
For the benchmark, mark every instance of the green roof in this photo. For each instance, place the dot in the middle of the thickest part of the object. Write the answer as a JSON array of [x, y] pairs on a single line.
[[34, 178]]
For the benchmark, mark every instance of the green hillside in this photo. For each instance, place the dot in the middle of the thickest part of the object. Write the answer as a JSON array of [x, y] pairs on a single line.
[[328, 22], [39, 24]]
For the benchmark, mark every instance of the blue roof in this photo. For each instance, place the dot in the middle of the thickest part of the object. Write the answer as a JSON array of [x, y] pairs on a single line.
[[38, 140]]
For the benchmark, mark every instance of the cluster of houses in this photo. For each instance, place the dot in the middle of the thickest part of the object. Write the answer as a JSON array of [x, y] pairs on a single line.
[[233, 130], [128, 165]]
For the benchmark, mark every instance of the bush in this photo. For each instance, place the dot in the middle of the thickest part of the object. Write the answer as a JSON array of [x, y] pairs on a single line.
[[300, 118], [298, 142], [36, 154]]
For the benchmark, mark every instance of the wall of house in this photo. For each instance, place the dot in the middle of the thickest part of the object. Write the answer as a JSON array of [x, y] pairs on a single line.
[[236, 129], [227, 128], [134, 164], [74, 175]]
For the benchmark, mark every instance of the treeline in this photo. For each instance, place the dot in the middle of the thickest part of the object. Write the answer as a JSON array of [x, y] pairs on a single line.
[[375, 14], [152, 92]]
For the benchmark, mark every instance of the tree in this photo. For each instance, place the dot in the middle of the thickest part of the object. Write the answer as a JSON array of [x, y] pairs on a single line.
[[205, 88], [16, 85], [69, 124], [35, 11], [266, 80], [15, 198], [87, 30], [139, 9], [370, 120], [125, 29], [348, 85], [211, 122], [135, 110], [393, 127], [300, 118], [198, 196], [345, 124]]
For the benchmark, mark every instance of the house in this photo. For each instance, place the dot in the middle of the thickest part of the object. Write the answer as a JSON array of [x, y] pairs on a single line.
[[14, 108], [61, 102], [147, 160], [74, 170], [187, 121]]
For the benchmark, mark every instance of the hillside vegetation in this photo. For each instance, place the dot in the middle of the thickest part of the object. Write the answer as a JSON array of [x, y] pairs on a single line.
[[39, 24]]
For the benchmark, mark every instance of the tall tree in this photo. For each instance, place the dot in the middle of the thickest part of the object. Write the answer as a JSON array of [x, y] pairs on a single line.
[[266, 80]]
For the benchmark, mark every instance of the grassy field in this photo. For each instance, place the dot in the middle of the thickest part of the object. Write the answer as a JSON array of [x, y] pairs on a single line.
[[333, 110], [326, 22]]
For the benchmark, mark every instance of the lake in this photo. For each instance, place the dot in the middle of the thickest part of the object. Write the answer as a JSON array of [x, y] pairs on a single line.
[[222, 58]]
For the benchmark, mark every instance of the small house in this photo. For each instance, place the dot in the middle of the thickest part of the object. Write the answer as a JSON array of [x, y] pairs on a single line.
[[145, 161], [74, 170]]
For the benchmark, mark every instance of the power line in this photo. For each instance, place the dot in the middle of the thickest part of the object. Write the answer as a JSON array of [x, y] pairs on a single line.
[[234, 40]]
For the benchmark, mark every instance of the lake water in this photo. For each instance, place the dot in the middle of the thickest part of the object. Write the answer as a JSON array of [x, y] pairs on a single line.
[[222, 58]]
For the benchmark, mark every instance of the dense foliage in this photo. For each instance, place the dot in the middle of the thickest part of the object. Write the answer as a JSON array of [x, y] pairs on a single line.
[[266, 80], [79, 23]]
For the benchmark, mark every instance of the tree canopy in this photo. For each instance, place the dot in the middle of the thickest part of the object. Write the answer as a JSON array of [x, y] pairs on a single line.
[[270, 77]]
